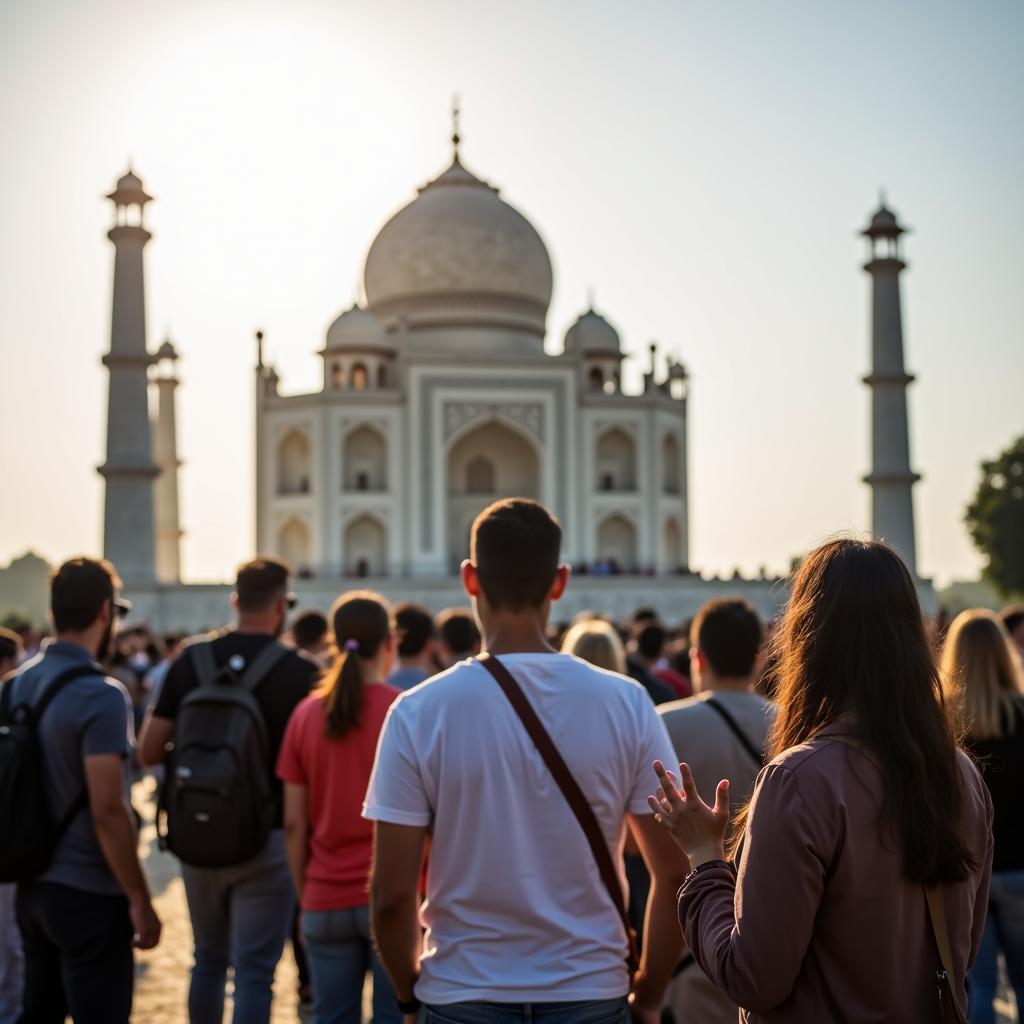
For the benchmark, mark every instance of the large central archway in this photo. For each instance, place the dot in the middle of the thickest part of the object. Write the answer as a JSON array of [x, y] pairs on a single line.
[[491, 461]]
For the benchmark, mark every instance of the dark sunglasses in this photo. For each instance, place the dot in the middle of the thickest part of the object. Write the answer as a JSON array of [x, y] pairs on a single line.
[[292, 601]]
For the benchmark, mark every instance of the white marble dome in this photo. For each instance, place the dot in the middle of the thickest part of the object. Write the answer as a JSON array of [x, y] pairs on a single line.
[[591, 334], [459, 255], [357, 330]]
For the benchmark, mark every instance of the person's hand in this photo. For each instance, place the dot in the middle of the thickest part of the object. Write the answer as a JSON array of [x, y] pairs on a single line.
[[145, 923], [410, 1018], [643, 1015], [698, 830]]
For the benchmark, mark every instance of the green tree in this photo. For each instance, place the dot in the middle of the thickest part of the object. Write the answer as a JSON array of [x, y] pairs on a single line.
[[995, 519]]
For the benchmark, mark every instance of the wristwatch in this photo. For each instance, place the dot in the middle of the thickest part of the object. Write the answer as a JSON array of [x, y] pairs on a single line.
[[408, 1005]]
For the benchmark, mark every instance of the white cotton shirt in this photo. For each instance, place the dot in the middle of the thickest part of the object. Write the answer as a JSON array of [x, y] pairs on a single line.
[[515, 909]]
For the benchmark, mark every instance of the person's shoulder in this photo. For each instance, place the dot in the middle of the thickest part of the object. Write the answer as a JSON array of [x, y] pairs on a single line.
[[684, 709], [300, 662]]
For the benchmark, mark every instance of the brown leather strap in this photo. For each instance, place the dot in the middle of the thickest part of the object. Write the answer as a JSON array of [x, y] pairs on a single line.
[[574, 796], [935, 899]]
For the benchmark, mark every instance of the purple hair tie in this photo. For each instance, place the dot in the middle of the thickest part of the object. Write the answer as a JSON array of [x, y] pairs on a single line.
[[351, 645]]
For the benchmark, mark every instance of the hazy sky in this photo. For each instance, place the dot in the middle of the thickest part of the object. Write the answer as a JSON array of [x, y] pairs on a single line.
[[704, 167]]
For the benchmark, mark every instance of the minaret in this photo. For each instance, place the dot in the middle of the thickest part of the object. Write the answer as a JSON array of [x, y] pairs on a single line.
[[128, 530], [165, 448], [891, 478]]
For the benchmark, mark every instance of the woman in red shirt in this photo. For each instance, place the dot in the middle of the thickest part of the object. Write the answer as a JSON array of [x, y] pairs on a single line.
[[325, 764]]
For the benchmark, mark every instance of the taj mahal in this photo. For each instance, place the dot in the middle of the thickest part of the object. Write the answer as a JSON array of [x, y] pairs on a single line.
[[439, 396]]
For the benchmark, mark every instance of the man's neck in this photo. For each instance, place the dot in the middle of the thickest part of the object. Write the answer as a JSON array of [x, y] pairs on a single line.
[[256, 625], [87, 641], [517, 634], [417, 661], [718, 684]]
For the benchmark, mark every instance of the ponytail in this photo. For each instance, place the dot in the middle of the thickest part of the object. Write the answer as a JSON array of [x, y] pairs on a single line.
[[362, 623]]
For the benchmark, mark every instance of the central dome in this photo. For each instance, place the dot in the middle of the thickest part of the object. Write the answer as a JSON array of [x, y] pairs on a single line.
[[459, 255]]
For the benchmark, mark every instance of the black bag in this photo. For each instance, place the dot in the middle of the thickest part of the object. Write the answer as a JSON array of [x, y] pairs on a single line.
[[216, 801], [29, 827]]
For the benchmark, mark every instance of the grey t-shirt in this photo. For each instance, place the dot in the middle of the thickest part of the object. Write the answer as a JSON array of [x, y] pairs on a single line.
[[704, 741], [91, 716]]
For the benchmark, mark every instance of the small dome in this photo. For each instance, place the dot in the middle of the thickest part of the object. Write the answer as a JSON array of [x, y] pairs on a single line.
[[883, 224], [677, 371], [458, 254], [166, 351], [592, 335], [129, 190], [357, 330]]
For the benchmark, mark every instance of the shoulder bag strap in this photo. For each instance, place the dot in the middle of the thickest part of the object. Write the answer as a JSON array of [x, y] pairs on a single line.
[[262, 665], [574, 796], [935, 899], [201, 655], [757, 756]]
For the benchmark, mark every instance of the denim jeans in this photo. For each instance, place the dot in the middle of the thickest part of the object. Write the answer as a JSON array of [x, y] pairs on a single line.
[[78, 955], [340, 953], [598, 1011], [1004, 932], [12, 960], [241, 916]]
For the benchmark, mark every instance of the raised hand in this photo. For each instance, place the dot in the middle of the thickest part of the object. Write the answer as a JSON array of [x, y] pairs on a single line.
[[698, 830]]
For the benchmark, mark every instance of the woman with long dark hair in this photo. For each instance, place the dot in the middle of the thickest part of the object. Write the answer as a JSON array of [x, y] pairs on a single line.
[[868, 838], [982, 677], [325, 762]]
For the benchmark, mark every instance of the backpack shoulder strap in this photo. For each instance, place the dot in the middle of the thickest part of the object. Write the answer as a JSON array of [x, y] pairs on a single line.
[[262, 665], [58, 684], [574, 796], [757, 756], [200, 654]]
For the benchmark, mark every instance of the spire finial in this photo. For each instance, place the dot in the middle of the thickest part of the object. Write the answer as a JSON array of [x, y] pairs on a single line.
[[456, 138], [590, 298], [881, 198], [259, 350]]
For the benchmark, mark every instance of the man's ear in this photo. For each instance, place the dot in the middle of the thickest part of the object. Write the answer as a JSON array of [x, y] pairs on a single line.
[[560, 583], [701, 658], [234, 601], [470, 579]]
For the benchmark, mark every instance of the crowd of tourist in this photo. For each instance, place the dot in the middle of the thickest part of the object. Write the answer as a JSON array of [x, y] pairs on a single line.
[[819, 819]]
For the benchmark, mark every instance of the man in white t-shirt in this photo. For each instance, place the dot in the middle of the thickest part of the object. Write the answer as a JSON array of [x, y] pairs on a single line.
[[721, 732], [516, 913]]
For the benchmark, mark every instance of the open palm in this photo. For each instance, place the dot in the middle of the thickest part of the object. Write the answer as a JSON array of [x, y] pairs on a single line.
[[698, 830]]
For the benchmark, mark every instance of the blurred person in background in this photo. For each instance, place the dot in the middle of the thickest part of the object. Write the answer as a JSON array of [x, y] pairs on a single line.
[[457, 637], [11, 957], [154, 678], [1013, 620], [721, 733], [647, 648], [981, 677], [415, 626], [598, 642], [325, 764], [310, 633]]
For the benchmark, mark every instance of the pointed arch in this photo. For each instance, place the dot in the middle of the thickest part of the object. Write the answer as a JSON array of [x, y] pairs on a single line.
[[365, 459], [671, 465], [293, 543], [365, 545], [294, 463], [616, 461], [617, 543]]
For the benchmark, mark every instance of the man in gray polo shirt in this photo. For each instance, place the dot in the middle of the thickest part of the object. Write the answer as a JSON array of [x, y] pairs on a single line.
[[81, 918], [720, 733]]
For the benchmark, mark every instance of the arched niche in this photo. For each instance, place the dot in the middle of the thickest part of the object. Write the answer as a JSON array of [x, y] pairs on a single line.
[[491, 460], [294, 462], [293, 544], [671, 465], [616, 461], [365, 460], [365, 545], [672, 546], [616, 543]]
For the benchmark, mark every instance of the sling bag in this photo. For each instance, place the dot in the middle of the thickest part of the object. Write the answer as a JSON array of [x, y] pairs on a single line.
[[949, 1007], [574, 797], [757, 756]]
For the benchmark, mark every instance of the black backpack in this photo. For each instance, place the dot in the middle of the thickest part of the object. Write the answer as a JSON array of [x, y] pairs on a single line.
[[29, 827], [216, 806]]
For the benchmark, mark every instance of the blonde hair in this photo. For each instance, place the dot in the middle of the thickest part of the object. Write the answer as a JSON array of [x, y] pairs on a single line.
[[596, 641], [980, 673]]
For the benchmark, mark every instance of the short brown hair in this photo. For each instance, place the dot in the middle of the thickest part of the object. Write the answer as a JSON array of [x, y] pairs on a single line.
[[727, 631], [78, 590], [261, 582], [515, 546]]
